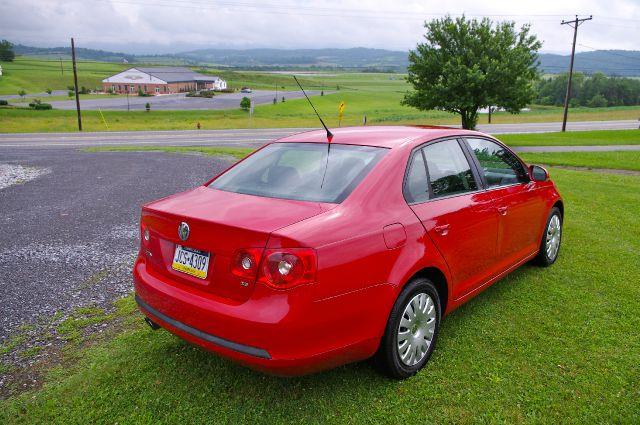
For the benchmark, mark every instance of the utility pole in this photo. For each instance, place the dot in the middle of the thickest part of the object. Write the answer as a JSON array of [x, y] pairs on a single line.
[[573, 24], [75, 83], [61, 67]]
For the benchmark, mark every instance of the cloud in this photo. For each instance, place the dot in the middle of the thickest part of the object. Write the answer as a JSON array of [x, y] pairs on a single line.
[[169, 25]]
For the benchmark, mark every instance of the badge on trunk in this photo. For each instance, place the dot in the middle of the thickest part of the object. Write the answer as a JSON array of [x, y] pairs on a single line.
[[183, 231]]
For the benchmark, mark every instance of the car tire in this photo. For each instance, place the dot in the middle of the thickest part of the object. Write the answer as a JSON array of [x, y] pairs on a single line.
[[404, 351], [551, 239]]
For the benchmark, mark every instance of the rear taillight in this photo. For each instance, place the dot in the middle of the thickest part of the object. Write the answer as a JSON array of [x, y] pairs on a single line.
[[245, 263], [284, 268], [280, 268]]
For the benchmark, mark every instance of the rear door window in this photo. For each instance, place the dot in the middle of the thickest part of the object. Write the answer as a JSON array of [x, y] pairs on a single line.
[[448, 169], [499, 166], [416, 186]]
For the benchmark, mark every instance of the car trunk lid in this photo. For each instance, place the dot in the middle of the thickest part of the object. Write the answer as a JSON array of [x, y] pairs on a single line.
[[219, 223]]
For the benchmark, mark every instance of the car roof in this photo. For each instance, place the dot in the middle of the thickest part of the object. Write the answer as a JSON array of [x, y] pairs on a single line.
[[380, 136]]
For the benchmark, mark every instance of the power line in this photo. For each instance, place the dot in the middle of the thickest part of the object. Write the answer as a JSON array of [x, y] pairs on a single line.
[[576, 23]]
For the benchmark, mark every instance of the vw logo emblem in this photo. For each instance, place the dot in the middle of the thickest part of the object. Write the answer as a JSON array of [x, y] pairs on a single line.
[[183, 231]]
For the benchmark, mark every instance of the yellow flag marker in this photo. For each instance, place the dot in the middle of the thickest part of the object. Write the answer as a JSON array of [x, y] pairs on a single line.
[[340, 112]]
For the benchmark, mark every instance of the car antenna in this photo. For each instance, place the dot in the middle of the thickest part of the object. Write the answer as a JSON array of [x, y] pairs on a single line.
[[329, 134]]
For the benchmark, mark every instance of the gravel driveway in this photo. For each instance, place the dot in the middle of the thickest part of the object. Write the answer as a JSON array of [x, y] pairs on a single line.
[[69, 236]]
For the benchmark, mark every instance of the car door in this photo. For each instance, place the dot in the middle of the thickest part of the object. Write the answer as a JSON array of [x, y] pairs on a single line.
[[444, 191], [521, 208]]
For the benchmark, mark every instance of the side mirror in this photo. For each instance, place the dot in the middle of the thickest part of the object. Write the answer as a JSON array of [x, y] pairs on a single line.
[[538, 173]]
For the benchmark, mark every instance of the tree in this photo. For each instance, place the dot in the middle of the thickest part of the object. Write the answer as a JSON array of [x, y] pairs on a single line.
[[6, 51], [22, 93], [466, 65], [245, 103], [49, 91]]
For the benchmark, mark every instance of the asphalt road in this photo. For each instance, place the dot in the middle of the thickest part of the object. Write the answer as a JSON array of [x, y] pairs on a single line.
[[69, 237], [258, 137], [179, 101]]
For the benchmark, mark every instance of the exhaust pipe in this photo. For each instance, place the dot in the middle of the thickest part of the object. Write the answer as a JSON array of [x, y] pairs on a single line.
[[153, 325]]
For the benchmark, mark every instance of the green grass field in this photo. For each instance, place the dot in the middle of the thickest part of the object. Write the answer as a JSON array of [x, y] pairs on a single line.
[[376, 95], [573, 138], [37, 75], [555, 345], [619, 160], [235, 153]]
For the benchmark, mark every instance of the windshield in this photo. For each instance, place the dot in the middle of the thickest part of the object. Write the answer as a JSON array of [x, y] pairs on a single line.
[[297, 171]]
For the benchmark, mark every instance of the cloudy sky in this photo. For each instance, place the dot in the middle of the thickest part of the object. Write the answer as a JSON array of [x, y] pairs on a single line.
[[158, 26]]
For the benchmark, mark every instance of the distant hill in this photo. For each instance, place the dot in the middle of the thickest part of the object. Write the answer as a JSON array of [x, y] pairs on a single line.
[[65, 53], [359, 57], [624, 63], [610, 62]]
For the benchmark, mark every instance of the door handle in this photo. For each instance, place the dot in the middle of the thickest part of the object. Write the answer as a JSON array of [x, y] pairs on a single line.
[[442, 230], [502, 210]]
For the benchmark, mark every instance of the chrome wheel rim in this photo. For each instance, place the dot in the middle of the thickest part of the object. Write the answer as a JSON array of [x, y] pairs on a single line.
[[554, 231], [416, 330]]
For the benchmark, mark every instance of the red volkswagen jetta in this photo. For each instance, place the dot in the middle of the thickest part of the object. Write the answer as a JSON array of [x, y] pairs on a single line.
[[305, 255]]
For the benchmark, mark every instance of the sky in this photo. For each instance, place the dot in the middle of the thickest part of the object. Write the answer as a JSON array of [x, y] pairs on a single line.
[[165, 26]]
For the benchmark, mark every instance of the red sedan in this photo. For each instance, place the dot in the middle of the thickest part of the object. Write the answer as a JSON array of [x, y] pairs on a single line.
[[307, 255]]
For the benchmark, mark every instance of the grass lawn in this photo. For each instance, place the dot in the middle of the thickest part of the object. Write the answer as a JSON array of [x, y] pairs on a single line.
[[542, 345], [236, 153], [573, 138], [47, 98], [380, 110], [36, 75], [621, 160]]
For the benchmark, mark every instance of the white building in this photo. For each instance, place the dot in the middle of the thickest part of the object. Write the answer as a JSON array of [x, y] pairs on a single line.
[[161, 80]]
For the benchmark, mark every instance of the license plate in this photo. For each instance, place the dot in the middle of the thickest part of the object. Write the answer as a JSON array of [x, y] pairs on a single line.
[[191, 261]]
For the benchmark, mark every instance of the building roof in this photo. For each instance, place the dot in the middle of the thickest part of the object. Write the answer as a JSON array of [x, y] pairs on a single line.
[[171, 74]]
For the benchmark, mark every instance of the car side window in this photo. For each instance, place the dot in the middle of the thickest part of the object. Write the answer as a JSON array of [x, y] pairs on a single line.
[[499, 166], [448, 168], [416, 186]]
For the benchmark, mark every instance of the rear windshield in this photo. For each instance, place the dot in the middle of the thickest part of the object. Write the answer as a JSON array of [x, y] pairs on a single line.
[[301, 171]]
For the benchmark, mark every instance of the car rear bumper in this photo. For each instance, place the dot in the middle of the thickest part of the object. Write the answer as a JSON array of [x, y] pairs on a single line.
[[278, 332], [196, 333]]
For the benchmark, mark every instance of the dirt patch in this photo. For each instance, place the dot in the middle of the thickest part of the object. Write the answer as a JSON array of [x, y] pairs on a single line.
[[61, 343]]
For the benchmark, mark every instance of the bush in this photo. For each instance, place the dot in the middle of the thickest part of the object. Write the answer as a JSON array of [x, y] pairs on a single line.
[[142, 94], [147, 106], [3, 102], [39, 106], [192, 94], [227, 90], [597, 101], [245, 103]]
